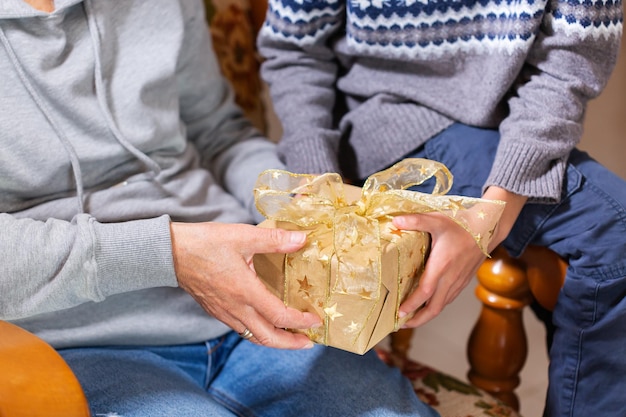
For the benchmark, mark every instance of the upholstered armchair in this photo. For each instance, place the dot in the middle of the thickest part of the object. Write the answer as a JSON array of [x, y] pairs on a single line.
[[34, 380]]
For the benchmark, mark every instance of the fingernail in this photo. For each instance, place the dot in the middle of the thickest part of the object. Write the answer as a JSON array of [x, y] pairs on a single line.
[[297, 237], [308, 345], [316, 325], [402, 314], [398, 221]]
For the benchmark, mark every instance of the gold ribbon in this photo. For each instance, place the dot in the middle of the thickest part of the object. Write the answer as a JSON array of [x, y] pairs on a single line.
[[345, 236]]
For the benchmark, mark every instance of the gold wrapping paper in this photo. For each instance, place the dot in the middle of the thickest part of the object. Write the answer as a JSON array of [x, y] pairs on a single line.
[[356, 267]]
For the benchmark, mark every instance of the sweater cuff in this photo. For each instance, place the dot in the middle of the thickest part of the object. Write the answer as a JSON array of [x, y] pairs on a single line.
[[311, 154], [133, 255], [527, 171]]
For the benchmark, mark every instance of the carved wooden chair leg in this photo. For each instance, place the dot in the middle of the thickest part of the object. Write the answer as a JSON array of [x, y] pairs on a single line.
[[400, 343], [497, 347], [545, 272]]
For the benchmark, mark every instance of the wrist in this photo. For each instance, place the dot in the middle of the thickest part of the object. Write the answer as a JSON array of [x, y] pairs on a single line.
[[514, 205], [176, 229]]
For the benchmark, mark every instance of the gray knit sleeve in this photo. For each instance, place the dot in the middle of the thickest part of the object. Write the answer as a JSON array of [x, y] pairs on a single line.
[[300, 68], [569, 64]]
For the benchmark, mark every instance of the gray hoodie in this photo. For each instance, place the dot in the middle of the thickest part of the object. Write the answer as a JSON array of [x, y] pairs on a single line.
[[114, 120]]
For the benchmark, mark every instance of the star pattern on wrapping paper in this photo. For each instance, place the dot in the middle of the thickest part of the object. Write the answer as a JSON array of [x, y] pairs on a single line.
[[275, 174], [397, 232], [353, 327], [307, 219], [342, 290], [324, 258], [332, 312], [366, 294], [456, 204], [305, 287], [351, 235], [315, 335], [423, 170], [416, 271], [481, 215]]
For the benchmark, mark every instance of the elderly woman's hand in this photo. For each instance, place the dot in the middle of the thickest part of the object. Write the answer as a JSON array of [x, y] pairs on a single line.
[[213, 263]]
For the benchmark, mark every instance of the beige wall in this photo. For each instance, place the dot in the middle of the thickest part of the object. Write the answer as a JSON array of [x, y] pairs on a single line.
[[605, 126]]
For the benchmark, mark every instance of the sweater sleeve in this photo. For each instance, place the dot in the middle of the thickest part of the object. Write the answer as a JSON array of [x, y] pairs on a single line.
[[570, 63], [70, 263], [301, 71]]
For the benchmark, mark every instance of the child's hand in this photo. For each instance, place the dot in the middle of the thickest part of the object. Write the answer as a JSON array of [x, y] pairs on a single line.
[[454, 257], [453, 260]]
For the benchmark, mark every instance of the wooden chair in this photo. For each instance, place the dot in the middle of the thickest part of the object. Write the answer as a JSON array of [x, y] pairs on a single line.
[[34, 379], [497, 347]]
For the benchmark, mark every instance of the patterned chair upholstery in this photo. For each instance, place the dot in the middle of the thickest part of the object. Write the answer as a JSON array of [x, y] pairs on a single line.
[[233, 25]]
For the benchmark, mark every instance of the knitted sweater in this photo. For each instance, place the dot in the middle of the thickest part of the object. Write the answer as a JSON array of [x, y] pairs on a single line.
[[114, 120], [378, 78]]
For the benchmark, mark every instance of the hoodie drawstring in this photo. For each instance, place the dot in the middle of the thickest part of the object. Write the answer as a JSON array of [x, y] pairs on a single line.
[[101, 93], [102, 101], [78, 176]]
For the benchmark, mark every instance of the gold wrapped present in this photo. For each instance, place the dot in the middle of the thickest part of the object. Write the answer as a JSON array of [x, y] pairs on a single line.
[[356, 267]]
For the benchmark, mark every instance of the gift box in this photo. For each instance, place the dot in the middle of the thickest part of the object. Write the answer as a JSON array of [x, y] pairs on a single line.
[[356, 268]]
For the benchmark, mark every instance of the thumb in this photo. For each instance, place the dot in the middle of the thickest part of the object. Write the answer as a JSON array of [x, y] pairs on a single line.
[[271, 240], [425, 222]]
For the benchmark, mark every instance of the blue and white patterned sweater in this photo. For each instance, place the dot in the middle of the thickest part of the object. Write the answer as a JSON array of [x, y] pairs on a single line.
[[407, 69]]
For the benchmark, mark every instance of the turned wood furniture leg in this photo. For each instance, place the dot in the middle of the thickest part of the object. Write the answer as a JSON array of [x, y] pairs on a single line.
[[545, 272], [400, 343], [497, 347]]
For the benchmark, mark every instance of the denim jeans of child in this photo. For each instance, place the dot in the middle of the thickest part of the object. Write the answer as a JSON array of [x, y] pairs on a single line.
[[587, 375], [231, 377]]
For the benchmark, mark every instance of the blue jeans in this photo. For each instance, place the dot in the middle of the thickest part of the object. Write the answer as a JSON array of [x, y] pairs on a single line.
[[587, 375], [232, 377]]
